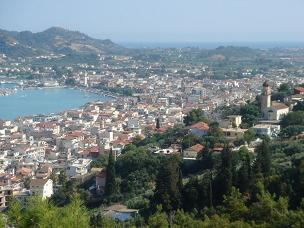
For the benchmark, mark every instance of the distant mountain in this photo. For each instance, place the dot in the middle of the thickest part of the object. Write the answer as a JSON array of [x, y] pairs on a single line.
[[54, 40]]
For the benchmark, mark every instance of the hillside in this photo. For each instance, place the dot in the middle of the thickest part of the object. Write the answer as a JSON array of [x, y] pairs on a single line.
[[54, 40]]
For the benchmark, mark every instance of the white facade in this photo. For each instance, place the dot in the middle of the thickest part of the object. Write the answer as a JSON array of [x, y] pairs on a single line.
[[42, 187], [267, 129], [79, 167]]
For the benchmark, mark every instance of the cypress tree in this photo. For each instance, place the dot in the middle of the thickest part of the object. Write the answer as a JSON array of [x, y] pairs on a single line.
[[263, 159], [244, 174], [168, 186], [206, 157], [157, 123], [226, 169], [110, 187], [223, 180]]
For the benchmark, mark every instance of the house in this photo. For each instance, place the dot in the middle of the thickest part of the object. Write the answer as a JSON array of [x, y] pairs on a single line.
[[119, 212], [44, 171], [235, 120], [42, 187], [167, 151], [233, 133], [193, 151], [79, 167], [299, 90], [266, 129], [199, 129]]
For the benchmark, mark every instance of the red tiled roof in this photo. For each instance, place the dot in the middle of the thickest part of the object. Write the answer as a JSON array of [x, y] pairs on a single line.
[[299, 89], [197, 148], [38, 182], [200, 125], [277, 105]]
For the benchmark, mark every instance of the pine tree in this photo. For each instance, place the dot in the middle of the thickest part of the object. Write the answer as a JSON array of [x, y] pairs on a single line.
[[110, 187], [14, 214]]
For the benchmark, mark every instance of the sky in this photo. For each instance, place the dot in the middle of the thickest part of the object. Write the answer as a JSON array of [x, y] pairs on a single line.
[[162, 20]]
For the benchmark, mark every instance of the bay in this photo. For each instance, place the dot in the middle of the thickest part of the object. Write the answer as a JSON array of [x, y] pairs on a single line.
[[44, 101]]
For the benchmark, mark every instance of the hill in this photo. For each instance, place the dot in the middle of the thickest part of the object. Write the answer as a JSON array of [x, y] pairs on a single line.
[[54, 40]]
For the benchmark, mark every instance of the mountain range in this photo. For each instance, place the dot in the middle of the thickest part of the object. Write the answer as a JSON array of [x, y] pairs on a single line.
[[55, 40]]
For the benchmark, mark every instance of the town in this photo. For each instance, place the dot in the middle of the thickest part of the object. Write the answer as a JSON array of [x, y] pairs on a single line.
[[34, 148]]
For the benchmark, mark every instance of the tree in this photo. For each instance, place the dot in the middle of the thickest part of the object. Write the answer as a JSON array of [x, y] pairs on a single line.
[[27, 182], [75, 214], [182, 219], [206, 157], [158, 220], [168, 186], [190, 194], [278, 96], [264, 157], [223, 181], [293, 118], [105, 222], [62, 178], [250, 113], [234, 205], [2, 223], [194, 116], [244, 173], [111, 186], [297, 180], [190, 140], [101, 161], [267, 209], [215, 130], [14, 214], [249, 135], [299, 106], [157, 123], [40, 212], [285, 88], [54, 177]]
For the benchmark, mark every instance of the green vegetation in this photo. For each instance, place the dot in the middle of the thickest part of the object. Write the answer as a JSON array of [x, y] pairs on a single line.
[[292, 124], [41, 213], [230, 189], [111, 185], [194, 116]]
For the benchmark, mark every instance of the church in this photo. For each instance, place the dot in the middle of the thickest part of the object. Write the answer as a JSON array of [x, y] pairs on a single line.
[[273, 111]]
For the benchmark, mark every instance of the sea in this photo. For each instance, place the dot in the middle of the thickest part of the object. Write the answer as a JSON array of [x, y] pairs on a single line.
[[43, 101], [212, 45]]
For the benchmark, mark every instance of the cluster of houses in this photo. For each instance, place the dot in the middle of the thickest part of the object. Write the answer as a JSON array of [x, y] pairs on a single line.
[[268, 125], [34, 147]]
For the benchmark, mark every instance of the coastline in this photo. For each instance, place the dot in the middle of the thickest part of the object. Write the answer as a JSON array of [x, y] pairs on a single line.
[[108, 97]]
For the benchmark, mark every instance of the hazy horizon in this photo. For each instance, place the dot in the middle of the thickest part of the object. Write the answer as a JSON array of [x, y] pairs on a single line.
[[135, 21]]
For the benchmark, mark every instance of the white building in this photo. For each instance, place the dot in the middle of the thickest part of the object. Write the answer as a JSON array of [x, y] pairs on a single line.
[[267, 129], [271, 110], [42, 187], [79, 167]]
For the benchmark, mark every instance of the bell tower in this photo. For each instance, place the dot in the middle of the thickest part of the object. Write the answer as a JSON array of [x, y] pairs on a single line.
[[266, 97]]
